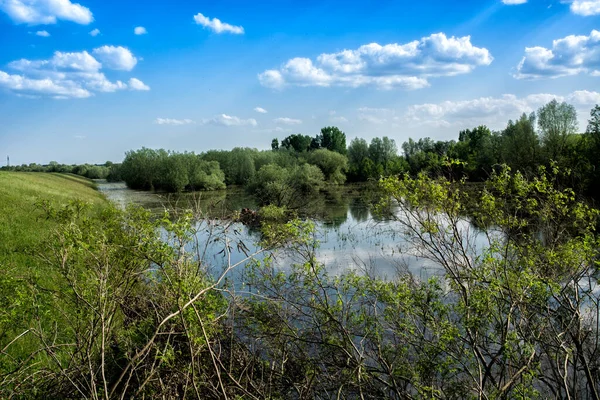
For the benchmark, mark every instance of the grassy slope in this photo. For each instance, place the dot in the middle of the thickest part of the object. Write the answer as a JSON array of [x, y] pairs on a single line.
[[22, 227], [23, 232]]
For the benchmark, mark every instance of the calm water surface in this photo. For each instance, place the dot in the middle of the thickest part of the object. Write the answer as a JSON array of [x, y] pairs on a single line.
[[349, 236]]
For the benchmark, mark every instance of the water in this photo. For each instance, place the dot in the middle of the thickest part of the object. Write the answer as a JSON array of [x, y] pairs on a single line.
[[350, 237]]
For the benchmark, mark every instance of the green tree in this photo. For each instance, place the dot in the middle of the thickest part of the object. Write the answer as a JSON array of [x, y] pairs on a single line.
[[331, 138], [556, 122], [358, 151], [382, 151], [283, 187], [520, 144], [297, 142], [333, 165], [593, 127]]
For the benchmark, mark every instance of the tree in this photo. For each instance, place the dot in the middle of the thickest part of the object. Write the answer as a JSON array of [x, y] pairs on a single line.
[[358, 152], [330, 138], [593, 149], [475, 148], [520, 144], [332, 164], [382, 150], [556, 121], [593, 127], [297, 142], [291, 188], [275, 144]]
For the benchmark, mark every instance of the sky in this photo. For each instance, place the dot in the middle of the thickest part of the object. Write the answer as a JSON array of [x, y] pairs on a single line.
[[86, 82]]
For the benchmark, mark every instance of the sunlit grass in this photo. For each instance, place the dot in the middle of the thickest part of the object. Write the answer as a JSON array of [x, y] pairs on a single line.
[[24, 232], [22, 226]]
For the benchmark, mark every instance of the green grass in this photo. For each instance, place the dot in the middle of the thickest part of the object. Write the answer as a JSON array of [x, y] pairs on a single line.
[[24, 234], [22, 226]]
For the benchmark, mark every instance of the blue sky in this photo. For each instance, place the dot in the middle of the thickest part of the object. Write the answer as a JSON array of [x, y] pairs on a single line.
[[85, 82]]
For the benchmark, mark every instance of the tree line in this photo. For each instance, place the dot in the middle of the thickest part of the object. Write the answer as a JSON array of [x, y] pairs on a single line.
[[551, 134], [108, 170]]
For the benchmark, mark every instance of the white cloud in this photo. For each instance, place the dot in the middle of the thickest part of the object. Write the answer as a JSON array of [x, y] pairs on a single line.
[[287, 121], [217, 26], [571, 55], [42, 33], [140, 30], [586, 8], [45, 12], [387, 67], [136, 84], [101, 84], [492, 111], [65, 75], [377, 116], [338, 119], [584, 98], [513, 2], [95, 32], [171, 121], [60, 61], [116, 57], [228, 120], [26, 86], [260, 110]]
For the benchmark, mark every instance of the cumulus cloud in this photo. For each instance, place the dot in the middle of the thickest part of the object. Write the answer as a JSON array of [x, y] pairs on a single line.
[[514, 2], [215, 25], [42, 33], [171, 121], [136, 84], [35, 87], [140, 30], [389, 66], [229, 120], [571, 55], [45, 12], [64, 75], [586, 8], [95, 32], [116, 57], [60, 63], [493, 111], [260, 110], [287, 121]]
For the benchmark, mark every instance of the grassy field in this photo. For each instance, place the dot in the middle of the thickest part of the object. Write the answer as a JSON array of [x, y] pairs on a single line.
[[24, 232], [22, 226]]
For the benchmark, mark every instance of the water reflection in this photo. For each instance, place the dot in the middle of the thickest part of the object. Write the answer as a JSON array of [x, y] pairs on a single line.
[[349, 236]]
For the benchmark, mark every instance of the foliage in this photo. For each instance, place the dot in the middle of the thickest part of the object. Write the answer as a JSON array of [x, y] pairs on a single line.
[[330, 138], [332, 164], [521, 304], [281, 187], [148, 169], [556, 121], [135, 308], [297, 142]]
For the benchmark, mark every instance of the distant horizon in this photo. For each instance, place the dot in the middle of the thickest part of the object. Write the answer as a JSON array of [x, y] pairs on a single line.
[[85, 81]]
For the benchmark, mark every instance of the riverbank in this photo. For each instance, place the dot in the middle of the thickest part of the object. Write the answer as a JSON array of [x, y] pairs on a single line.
[[24, 235], [22, 229]]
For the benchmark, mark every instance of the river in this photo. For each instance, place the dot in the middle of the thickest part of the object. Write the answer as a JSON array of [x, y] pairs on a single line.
[[350, 237]]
